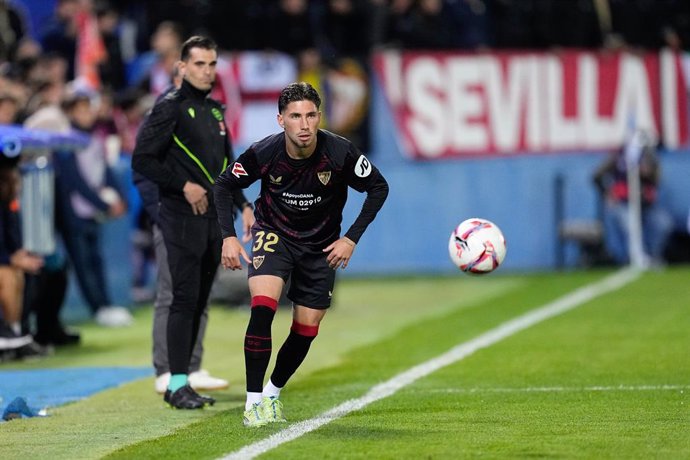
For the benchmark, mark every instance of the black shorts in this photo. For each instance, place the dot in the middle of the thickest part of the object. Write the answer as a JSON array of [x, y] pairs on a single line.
[[311, 279]]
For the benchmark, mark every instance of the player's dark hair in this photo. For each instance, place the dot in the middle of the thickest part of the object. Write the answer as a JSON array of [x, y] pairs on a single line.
[[298, 92], [196, 41]]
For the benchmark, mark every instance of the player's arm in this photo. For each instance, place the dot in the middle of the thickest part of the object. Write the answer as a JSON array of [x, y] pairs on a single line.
[[237, 176], [239, 199], [367, 178], [363, 177], [340, 251]]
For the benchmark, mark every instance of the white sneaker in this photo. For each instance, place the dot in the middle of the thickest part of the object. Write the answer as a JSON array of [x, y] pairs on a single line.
[[114, 316], [201, 380], [161, 383]]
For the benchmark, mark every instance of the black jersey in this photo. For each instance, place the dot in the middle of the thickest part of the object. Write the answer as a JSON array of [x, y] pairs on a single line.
[[303, 199]]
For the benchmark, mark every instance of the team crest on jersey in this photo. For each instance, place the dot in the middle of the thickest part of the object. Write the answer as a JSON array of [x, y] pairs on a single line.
[[324, 176], [275, 180], [257, 261], [363, 168], [238, 170], [217, 114], [191, 112]]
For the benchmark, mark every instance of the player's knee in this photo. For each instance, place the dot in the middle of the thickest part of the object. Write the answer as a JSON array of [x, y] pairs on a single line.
[[261, 317], [304, 329], [264, 301]]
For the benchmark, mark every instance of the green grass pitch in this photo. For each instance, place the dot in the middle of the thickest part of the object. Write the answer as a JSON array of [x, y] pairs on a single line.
[[609, 379]]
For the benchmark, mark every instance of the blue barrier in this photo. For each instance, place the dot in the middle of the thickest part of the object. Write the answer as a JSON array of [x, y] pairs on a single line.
[[34, 148], [16, 140]]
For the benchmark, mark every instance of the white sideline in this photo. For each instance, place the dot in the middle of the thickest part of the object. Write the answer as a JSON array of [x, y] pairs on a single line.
[[667, 387], [457, 353]]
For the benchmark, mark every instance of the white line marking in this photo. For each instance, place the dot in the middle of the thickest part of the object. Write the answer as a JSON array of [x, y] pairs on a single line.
[[564, 389], [457, 353]]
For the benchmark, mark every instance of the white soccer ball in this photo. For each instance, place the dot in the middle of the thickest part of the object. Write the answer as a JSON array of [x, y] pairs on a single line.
[[477, 246]]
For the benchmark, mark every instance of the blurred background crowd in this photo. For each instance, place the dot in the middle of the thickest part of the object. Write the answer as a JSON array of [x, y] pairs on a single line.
[[98, 66], [44, 44], [126, 50]]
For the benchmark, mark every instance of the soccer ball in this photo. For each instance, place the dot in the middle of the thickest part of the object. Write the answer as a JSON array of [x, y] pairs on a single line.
[[477, 246]]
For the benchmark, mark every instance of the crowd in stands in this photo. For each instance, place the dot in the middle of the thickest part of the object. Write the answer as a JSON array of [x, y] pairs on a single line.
[[124, 46], [116, 57]]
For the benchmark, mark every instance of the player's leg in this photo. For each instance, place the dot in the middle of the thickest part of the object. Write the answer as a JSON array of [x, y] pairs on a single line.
[[272, 261], [311, 290], [304, 329], [265, 291]]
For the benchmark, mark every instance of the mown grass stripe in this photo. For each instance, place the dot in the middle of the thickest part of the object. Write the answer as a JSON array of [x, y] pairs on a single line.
[[457, 353]]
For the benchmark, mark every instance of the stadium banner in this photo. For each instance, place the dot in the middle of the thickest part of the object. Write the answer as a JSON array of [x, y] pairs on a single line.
[[454, 105], [248, 84]]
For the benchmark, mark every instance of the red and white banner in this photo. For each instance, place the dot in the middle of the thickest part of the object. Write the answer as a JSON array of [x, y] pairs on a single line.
[[252, 81], [454, 105]]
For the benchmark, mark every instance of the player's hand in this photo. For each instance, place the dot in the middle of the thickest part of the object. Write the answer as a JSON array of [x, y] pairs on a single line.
[[25, 261], [195, 195], [340, 252], [232, 251], [247, 222]]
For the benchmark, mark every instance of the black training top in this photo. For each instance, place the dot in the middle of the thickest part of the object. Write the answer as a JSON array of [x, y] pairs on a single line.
[[184, 139], [303, 199]]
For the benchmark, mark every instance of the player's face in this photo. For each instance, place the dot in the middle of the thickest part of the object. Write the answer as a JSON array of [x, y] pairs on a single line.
[[300, 119], [200, 68]]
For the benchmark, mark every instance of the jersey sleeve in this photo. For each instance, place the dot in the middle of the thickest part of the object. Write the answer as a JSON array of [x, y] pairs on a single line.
[[239, 175], [364, 177], [153, 141], [238, 197]]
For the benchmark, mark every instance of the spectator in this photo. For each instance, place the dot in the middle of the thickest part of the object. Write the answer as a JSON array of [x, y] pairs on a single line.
[[425, 26], [289, 27], [14, 263], [236, 25], [340, 19], [13, 29], [611, 180], [112, 70], [45, 291], [44, 298], [165, 46], [9, 108], [60, 36], [470, 20], [511, 23], [395, 15], [86, 194], [44, 109]]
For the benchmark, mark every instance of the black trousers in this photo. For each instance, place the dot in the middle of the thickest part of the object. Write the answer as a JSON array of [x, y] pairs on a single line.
[[44, 294], [194, 245]]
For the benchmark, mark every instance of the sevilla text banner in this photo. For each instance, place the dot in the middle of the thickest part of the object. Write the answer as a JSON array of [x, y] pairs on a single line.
[[453, 105]]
